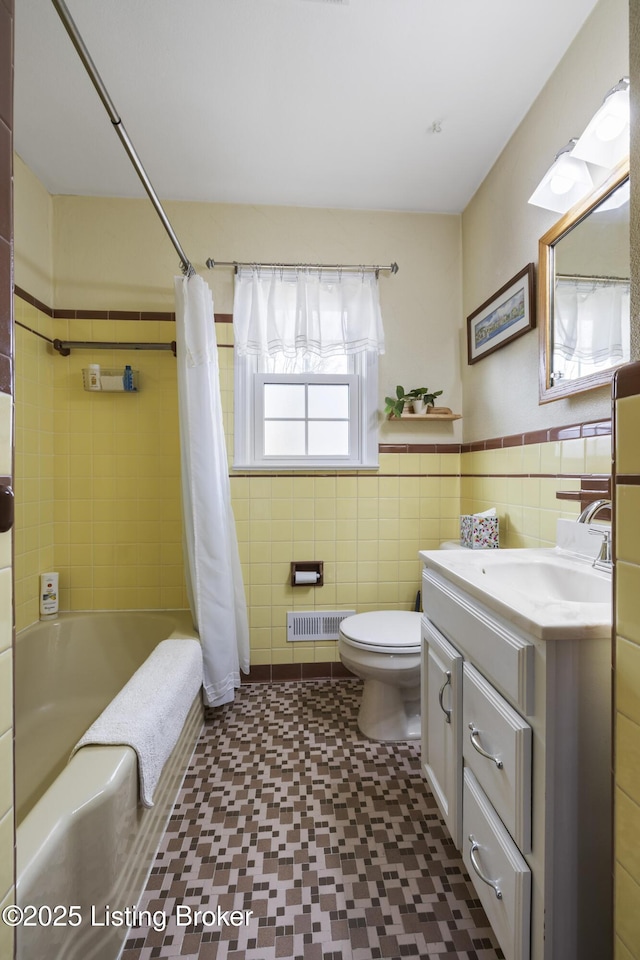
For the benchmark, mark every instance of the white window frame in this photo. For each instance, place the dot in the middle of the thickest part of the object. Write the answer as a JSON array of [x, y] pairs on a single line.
[[249, 379]]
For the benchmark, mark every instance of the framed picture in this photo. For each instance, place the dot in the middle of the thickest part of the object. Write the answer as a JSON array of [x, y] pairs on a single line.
[[506, 315]]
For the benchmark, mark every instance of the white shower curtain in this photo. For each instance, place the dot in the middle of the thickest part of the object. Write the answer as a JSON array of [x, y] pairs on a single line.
[[214, 577]]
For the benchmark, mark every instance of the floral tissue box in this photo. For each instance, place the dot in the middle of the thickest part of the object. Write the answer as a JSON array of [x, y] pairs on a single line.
[[479, 533]]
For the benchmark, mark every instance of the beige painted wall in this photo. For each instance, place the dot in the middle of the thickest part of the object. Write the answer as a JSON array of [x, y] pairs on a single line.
[[33, 234], [114, 254], [500, 230]]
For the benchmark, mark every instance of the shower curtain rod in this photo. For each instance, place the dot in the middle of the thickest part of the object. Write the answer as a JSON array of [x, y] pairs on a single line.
[[109, 106], [391, 268]]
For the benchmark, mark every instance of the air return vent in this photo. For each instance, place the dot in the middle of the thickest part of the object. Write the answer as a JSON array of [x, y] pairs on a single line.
[[315, 624]]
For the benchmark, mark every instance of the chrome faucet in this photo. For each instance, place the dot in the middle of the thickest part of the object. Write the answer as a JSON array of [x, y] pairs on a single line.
[[592, 510], [604, 560]]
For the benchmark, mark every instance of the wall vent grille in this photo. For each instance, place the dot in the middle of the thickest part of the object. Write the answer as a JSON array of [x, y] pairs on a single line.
[[315, 624]]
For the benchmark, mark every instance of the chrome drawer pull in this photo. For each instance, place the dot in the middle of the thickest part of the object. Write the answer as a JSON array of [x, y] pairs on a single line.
[[483, 753], [447, 683], [472, 855]]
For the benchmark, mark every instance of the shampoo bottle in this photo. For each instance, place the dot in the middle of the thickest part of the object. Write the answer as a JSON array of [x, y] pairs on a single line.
[[48, 596], [94, 376], [128, 378]]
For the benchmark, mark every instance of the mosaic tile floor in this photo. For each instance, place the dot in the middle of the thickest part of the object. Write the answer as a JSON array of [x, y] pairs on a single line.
[[331, 840]]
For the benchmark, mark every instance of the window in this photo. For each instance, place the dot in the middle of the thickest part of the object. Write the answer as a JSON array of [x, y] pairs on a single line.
[[306, 369], [306, 419]]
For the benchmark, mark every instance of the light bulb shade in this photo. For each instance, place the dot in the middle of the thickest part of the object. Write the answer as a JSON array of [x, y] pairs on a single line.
[[606, 139], [566, 181]]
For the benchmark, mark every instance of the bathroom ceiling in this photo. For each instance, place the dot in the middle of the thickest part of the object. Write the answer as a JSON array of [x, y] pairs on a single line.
[[370, 104]]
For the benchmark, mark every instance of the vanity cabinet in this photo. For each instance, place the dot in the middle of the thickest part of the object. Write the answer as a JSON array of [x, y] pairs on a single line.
[[516, 749]]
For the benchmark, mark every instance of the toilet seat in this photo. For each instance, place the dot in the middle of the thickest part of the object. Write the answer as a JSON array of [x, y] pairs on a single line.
[[383, 631]]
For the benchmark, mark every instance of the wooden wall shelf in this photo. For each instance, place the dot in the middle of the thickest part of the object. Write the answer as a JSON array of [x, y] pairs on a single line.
[[427, 416]]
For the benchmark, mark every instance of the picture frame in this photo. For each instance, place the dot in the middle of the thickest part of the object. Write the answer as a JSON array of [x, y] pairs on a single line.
[[507, 315]]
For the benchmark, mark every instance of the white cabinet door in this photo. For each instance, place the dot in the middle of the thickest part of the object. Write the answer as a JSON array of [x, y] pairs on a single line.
[[442, 726]]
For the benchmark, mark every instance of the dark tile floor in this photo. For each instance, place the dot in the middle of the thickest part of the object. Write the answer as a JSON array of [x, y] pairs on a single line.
[[332, 841]]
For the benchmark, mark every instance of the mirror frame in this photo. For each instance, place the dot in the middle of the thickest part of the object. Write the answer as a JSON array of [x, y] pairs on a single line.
[[546, 273]]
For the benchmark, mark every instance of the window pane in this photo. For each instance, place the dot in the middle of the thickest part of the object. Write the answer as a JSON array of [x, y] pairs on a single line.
[[328, 439], [284, 400], [328, 400], [284, 438]]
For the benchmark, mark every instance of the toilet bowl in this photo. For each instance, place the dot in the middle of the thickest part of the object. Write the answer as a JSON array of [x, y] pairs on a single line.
[[383, 649]]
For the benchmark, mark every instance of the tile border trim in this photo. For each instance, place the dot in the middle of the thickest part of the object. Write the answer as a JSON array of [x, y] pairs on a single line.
[[273, 672], [62, 313], [576, 431]]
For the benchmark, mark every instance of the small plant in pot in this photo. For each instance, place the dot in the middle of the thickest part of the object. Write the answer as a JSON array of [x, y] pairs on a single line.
[[419, 398]]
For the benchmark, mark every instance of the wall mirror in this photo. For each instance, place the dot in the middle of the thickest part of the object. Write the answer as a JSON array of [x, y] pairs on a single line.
[[583, 292]]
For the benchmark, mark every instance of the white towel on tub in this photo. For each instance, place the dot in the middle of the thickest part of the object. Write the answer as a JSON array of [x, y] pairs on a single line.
[[149, 712]]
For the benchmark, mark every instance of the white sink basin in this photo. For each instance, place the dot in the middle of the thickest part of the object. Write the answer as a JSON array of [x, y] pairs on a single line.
[[554, 579], [548, 593]]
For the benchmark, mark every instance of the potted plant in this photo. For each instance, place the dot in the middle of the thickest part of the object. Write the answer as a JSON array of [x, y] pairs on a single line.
[[420, 398]]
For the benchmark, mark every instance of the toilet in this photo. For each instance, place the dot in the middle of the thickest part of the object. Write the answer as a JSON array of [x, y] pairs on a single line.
[[383, 649]]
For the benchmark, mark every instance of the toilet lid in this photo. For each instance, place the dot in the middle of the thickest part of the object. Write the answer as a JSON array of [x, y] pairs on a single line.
[[397, 631]]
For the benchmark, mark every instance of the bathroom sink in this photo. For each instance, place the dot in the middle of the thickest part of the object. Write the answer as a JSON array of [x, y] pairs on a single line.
[[551, 578], [547, 592]]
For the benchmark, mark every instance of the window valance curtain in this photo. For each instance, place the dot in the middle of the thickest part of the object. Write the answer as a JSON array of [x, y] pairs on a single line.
[[591, 319], [306, 310]]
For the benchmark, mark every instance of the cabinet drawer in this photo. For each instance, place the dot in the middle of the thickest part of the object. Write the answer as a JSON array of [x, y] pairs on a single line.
[[442, 726], [499, 872], [501, 652], [496, 745]]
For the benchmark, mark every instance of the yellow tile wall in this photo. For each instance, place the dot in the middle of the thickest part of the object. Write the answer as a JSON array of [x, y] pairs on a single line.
[[117, 525], [627, 687], [366, 528], [34, 459], [512, 479], [97, 474]]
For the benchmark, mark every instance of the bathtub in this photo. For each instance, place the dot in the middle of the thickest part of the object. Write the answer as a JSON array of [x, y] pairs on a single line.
[[82, 839]]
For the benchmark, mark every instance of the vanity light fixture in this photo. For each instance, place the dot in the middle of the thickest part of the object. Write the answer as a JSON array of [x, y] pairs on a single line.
[[606, 138], [566, 181], [604, 143]]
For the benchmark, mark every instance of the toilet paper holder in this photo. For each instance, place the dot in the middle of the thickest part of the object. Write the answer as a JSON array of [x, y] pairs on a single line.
[[307, 573]]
